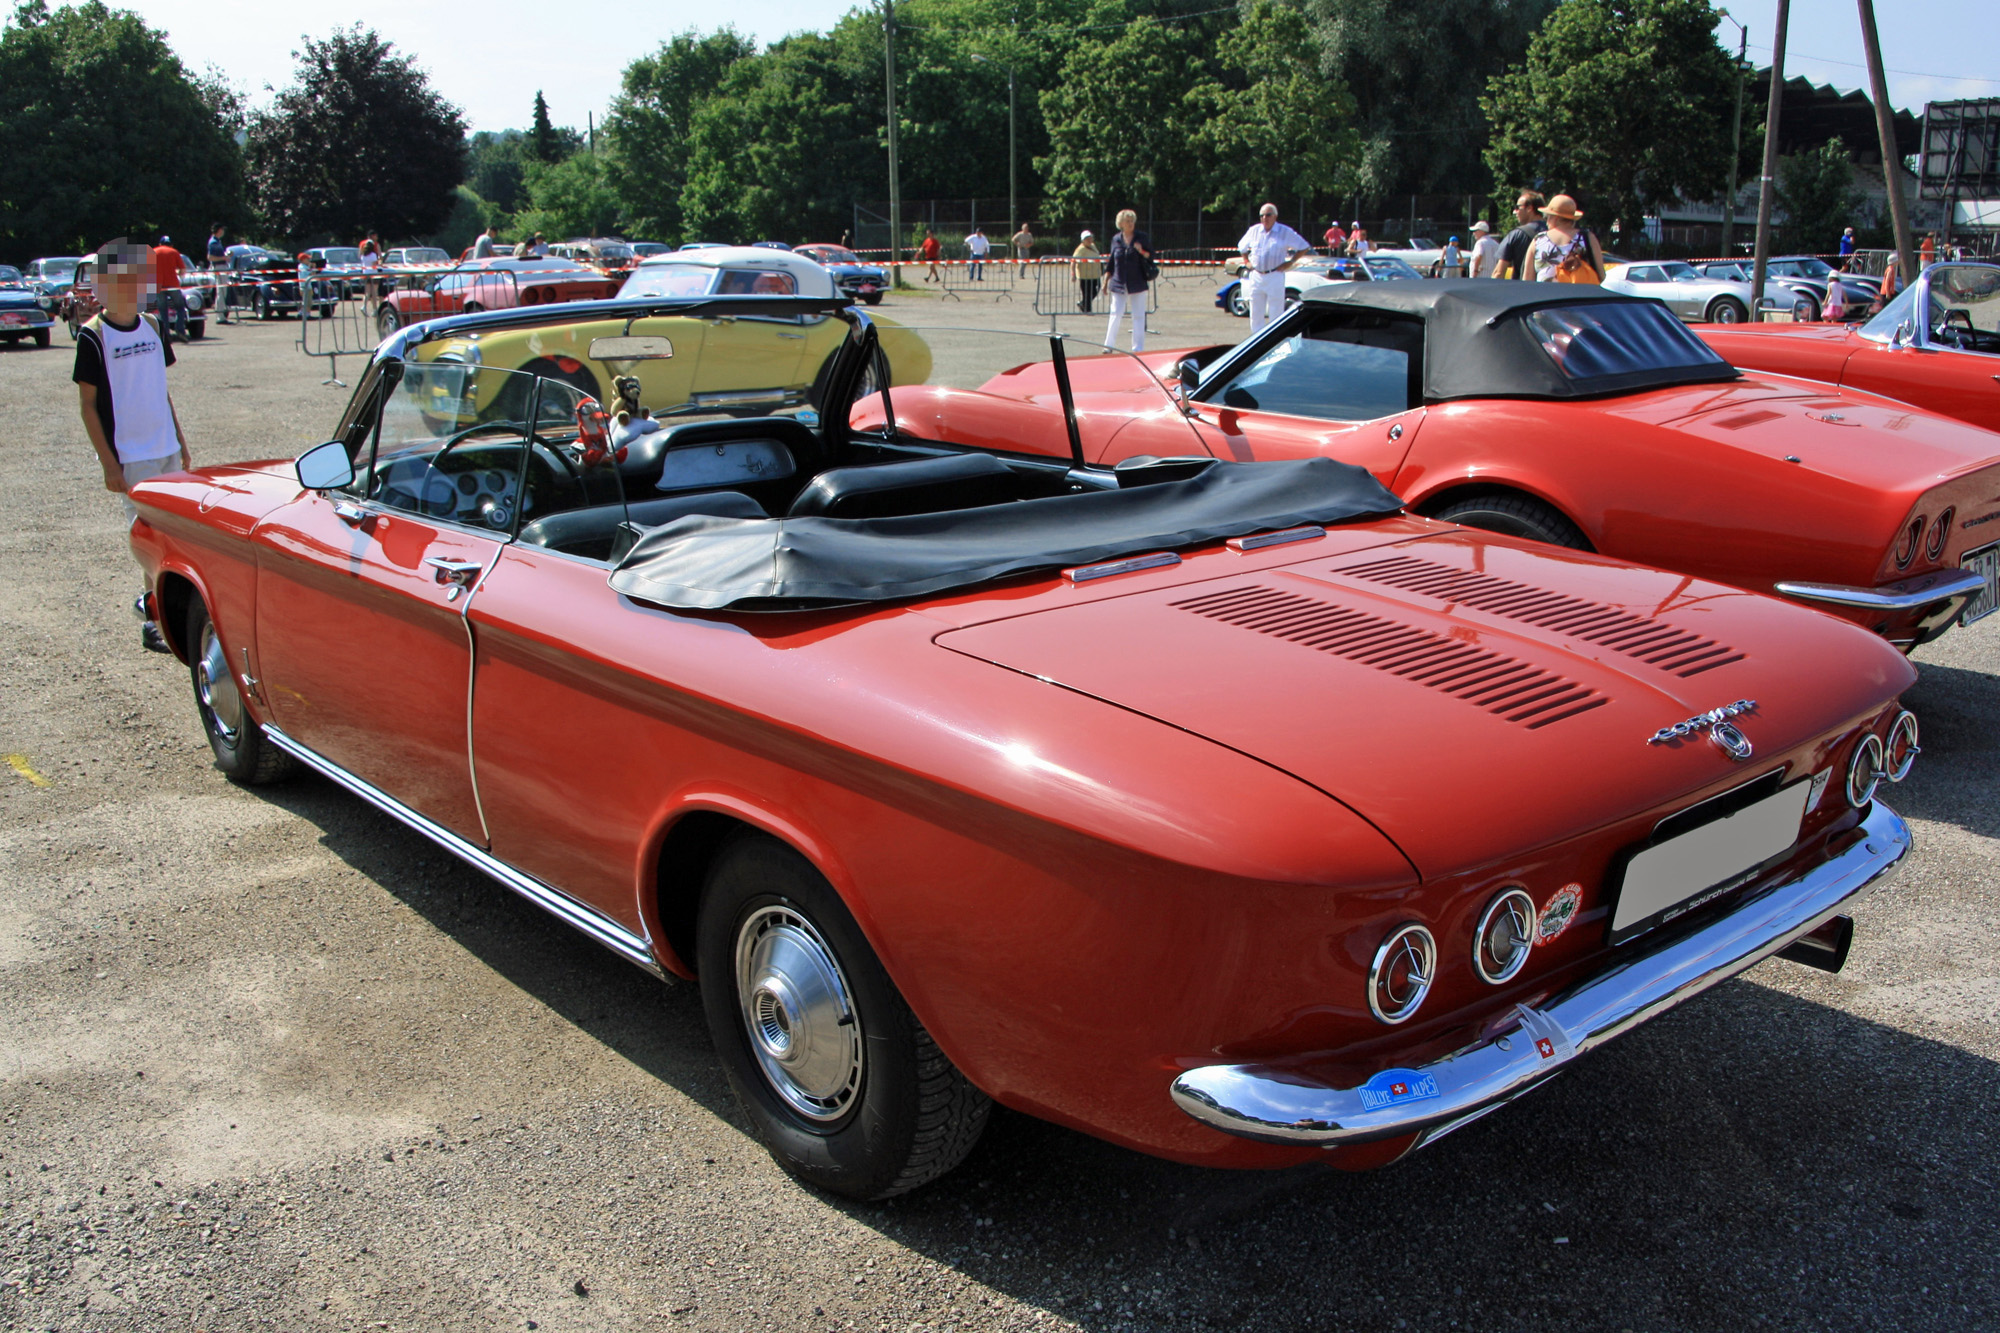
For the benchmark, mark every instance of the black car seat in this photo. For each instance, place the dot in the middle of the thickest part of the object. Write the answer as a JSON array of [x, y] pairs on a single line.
[[925, 486], [594, 533]]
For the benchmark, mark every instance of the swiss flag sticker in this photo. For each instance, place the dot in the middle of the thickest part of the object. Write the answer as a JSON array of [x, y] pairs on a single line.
[[1546, 1047]]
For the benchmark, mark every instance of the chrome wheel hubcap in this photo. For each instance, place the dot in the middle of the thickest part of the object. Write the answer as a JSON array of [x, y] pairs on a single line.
[[798, 1013], [217, 688]]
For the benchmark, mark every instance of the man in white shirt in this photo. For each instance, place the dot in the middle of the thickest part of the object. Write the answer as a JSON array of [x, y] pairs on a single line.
[[979, 247], [1268, 249], [1485, 251]]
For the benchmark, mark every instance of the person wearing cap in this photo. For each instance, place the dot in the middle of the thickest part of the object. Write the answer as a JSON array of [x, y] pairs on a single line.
[[1566, 252], [1485, 251], [1846, 247], [1088, 265], [1357, 240], [1528, 225], [121, 383], [169, 301], [1336, 237], [1268, 249], [1451, 260]]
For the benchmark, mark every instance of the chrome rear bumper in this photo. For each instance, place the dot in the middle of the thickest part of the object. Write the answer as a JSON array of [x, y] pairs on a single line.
[[1280, 1106], [1909, 595]]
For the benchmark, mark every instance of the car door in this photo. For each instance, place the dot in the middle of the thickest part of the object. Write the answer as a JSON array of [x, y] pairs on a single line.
[[1334, 382], [363, 651], [753, 354]]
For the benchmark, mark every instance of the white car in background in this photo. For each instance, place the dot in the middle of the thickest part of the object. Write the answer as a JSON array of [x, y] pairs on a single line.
[[1695, 297]]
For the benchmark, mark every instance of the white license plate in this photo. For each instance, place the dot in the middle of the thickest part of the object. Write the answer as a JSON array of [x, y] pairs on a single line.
[[1984, 561], [1678, 875]]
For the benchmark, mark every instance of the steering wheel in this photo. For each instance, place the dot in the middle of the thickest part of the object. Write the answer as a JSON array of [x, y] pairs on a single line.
[[534, 437]]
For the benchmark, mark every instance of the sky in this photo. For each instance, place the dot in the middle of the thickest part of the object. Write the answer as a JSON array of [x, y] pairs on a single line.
[[489, 60]]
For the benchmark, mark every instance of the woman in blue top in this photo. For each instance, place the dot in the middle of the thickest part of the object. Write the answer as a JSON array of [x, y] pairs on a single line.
[[1127, 262]]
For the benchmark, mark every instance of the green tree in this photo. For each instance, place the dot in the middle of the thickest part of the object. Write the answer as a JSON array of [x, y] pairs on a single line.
[[493, 167], [1816, 190], [568, 198], [1416, 69], [1118, 118], [646, 134], [1271, 123], [469, 214], [776, 152], [359, 142], [1626, 101], [104, 132], [542, 137]]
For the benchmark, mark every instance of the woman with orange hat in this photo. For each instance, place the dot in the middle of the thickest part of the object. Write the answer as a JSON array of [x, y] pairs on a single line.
[[1566, 252]]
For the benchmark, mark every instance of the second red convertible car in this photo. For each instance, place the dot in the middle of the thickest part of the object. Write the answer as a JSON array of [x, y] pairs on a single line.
[[1222, 811], [495, 284], [1567, 415], [1946, 358]]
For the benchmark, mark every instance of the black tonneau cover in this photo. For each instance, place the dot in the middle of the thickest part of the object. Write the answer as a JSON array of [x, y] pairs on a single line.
[[770, 564]]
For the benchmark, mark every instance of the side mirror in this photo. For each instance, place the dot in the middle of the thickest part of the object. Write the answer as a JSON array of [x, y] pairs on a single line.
[[1903, 336], [1189, 374], [325, 467]]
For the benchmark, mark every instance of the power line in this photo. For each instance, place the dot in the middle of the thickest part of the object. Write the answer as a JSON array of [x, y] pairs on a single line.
[[1851, 64]]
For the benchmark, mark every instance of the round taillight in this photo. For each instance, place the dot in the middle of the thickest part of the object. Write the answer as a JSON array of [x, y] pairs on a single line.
[[1900, 751], [1401, 975], [1864, 771], [1940, 534], [1912, 538], [1505, 935]]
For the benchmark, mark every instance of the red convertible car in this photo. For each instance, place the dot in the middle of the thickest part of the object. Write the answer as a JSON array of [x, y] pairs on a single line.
[[495, 284], [1947, 360], [1571, 416], [1222, 811]]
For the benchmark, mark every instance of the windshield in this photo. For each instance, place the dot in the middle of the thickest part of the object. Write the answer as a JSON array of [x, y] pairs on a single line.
[[615, 251], [669, 280], [340, 254], [1600, 340], [8, 274], [648, 248], [1964, 310], [59, 268], [833, 254], [1383, 267], [1800, 268], [425, 255]]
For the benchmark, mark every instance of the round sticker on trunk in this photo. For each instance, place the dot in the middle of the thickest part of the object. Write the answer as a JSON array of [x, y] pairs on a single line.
[[1559, 913]]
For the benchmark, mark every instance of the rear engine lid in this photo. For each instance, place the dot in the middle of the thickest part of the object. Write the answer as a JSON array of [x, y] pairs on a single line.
[[1472, 697]]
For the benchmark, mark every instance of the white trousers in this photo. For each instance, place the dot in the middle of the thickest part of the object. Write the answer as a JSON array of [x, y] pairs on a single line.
[[1267, 297], [1121, 303]]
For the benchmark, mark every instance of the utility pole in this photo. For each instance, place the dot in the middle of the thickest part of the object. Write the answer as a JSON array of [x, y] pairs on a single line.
[[1735, 139], [1766, 185], [895, 180], [1885, 129], [1013, 162]]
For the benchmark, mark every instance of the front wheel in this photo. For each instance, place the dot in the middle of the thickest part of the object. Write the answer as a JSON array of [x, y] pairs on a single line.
[[838, 1076], [1726, 310], [42, 337], [1516, 516], [263, 305], [873, 298], [386, 321], [242, 751], [197, 329]]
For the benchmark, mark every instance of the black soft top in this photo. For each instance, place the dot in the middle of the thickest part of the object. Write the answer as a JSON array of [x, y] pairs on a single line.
[[751, 564], [1479, 341]]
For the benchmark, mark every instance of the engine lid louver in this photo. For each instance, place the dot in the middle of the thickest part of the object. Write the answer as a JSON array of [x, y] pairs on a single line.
[[1503, 686], [1680, 651]]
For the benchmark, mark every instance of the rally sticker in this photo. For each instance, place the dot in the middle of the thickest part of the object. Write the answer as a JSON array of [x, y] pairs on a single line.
[[1393, 1087], [1559, 913]]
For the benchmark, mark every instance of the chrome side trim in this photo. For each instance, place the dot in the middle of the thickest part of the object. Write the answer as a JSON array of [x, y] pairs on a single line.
[[1909, 595], [1285, 1106], [552, 900]]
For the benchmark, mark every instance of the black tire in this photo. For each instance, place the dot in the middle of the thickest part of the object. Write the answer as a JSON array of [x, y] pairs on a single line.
[[873, 298], [472, 308], [1239, 305], [242, 752], [197, 328], [386, 321], [1726, 310], [897, 1114], [10, 339], [1291, 297], [263, 305], [1805, 309], [1515, 515], [42, 337]]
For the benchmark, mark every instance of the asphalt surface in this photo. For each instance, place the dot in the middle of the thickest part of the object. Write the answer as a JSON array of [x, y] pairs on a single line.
[[268, 1061]]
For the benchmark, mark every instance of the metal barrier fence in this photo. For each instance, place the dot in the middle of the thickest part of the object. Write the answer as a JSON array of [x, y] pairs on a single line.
[[1060, 291], [355, 325], [962, 278]]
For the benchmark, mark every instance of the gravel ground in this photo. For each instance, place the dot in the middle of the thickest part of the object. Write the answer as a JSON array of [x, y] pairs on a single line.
[[271, 1062]]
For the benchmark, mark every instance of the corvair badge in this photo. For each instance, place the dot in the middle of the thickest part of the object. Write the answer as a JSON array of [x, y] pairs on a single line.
[[1718, 726]]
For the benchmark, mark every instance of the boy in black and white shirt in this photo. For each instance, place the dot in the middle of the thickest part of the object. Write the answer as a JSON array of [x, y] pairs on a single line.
[[121, 380]]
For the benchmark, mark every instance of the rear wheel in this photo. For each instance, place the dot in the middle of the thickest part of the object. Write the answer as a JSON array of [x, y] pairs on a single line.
[[1726, 310], [841, 1080], [1515, 515], [386, 321], [1239, 305], [242, 751]]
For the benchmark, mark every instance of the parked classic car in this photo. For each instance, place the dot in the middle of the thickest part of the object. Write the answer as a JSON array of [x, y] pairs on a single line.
[[1946, 360], [267, 282], [1582, 418], [852, 274], [1808, 296], [339, 265], [935, 767], [1310, 274], [749, 362], [493, 284], [1695, 297], [603, 253], [25, 312], [53, 276]]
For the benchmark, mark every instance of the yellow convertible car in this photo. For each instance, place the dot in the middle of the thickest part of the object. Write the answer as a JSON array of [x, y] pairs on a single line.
[[743, 363]]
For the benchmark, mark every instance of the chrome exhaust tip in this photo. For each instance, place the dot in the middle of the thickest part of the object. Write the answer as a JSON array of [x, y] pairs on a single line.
[[1825, 948]]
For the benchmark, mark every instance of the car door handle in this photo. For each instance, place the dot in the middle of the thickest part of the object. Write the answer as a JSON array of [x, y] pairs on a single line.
[[800, 337], [352, 515], [461, 572]]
